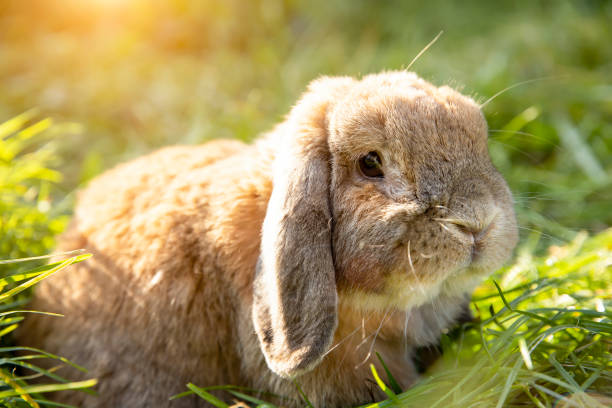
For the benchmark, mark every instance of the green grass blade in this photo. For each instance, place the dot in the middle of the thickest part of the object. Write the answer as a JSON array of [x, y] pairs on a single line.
[[508, 384], [8, 329], [14, 124], [568, 378], [302, 394], [40, 389], [592, 378], [53, 404], [50, 271], [394, 385], [248, 398], [33, 258], [2, 314], [47, 354], [200, 392], [524, 312], [17, 389], [382, 385]]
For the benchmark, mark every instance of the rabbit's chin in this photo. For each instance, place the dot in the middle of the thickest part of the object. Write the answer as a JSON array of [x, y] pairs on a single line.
[[403, 293]]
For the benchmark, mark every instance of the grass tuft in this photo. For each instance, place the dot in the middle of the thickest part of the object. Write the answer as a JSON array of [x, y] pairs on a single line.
[[27, 226], [13, 388]]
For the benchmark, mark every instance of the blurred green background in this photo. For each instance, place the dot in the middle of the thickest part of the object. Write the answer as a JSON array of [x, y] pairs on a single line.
[[85, 84], [123, 77]]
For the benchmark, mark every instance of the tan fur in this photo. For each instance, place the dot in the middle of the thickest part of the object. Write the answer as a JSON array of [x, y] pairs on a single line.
[[254, 264]]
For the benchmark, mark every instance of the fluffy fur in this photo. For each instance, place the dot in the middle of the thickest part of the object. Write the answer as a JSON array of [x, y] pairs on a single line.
[[255, 264]]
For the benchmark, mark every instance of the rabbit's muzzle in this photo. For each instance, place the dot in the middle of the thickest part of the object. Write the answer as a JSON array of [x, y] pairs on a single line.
[[409, 258]]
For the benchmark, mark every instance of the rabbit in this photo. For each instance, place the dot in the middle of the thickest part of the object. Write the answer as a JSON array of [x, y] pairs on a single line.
[[359, 225]]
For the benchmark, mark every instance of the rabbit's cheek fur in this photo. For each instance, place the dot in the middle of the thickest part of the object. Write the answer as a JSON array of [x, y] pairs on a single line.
[[362, 244], [387, 256]]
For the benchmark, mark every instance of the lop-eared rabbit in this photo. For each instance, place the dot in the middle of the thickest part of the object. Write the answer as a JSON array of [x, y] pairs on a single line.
[[359, 225]]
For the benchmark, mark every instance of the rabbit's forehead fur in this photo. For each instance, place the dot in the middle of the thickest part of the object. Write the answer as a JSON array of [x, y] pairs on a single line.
[[409, 121], [413, 230]]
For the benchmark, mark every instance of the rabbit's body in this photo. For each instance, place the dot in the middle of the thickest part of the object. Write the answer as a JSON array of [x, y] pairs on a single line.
[[129, 334], [182, 286], [143, 357]]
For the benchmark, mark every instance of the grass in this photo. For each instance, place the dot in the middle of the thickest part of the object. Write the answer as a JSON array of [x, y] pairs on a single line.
[[547, 335], [122, 78], [15, 390], [28, 223]]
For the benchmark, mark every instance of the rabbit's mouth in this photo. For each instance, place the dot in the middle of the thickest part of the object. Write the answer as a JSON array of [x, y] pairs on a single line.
[[422, 272], [423, 277]]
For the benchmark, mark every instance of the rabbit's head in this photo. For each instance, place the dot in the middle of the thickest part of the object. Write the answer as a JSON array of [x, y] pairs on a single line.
[[383, 195]]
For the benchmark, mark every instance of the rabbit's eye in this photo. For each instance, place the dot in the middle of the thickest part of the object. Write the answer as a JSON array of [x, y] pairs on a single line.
[[370, 165]]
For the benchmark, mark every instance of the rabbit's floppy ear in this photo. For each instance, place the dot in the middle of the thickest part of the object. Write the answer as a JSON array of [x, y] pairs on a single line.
[[295, 300]]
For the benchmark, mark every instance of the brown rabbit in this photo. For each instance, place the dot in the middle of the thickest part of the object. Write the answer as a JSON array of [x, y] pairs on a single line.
[[360, 224]]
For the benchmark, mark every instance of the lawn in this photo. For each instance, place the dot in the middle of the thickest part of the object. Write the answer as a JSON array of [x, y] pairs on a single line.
[[87, 84]]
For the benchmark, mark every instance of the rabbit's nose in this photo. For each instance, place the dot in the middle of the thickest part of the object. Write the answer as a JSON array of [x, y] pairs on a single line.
[[475, 234], [471, 232], [469, 229]]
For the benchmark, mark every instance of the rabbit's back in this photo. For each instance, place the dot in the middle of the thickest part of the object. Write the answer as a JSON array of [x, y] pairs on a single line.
[[151, 310]]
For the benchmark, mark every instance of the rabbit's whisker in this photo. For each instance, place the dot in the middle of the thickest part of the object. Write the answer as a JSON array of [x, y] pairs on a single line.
[[515, 132], [343, 340], [531, 135], [367, 357], [437, 314], [352, 333], [363, 335], [556, 239], [485, 103], [432, 42], [457, 221], [512, 147], [407, 314], [363, 330], [426, 256], [416, 277], [553, 195], [445, 227], [364, 338]]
